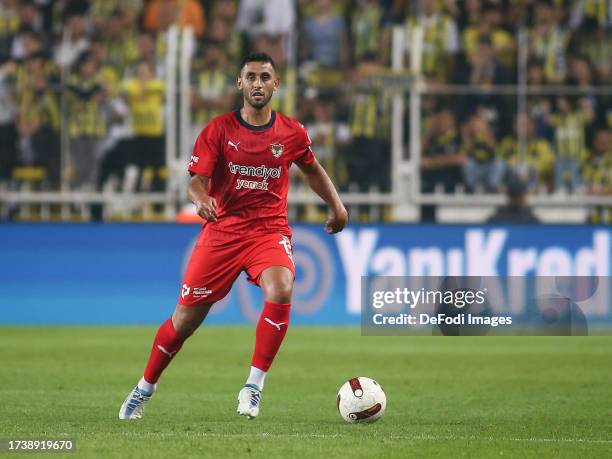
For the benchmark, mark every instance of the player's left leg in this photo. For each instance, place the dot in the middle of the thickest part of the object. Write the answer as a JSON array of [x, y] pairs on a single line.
[[271, 267], [277, 284]]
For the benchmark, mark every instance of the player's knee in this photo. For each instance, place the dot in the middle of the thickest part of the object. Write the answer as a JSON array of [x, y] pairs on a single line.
[[277, 284], [186, 320], [279, 292], [185, 329]]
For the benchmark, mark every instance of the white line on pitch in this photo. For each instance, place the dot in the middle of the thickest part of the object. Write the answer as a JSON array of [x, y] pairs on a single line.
[[338, 435]]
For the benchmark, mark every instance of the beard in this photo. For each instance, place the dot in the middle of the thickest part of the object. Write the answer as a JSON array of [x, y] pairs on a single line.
[[258, 103]]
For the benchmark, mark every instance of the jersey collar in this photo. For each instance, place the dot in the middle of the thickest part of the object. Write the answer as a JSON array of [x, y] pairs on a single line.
[[263, 127]]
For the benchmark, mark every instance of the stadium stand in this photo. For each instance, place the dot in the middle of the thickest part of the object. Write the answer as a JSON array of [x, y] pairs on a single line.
[[507, 85]]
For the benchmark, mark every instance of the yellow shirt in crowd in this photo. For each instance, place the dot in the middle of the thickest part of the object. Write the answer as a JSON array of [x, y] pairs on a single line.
[[146, 102]]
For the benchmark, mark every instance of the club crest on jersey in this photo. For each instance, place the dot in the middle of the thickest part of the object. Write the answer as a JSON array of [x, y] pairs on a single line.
[[277, 149]]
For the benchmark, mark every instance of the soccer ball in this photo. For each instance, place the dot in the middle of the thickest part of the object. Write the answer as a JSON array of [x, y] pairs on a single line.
[[361, 400]]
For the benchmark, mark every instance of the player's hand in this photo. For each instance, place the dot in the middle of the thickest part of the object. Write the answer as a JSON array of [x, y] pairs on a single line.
[[207, 208], [336, 221]]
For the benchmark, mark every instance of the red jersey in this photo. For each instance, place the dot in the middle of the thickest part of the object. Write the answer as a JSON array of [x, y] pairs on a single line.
[[248, 168]]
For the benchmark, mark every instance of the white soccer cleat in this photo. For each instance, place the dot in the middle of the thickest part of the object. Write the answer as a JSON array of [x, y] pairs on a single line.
[[134, 404], [248, 401]]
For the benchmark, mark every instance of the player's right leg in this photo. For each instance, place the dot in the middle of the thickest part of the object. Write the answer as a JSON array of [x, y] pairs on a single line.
[[168, 341], [212, 269]]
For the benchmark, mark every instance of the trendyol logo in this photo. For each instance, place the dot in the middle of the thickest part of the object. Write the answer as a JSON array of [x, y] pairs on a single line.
[[252, 171], [262, 171]]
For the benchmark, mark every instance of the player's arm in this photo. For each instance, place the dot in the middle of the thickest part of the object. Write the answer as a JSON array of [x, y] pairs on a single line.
[[319, 181], [206, 206], [201, 166]]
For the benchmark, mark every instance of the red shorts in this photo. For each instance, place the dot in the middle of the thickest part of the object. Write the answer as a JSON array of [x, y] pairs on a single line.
[[216, 263]]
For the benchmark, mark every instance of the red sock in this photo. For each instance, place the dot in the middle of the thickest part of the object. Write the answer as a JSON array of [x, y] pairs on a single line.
[[165, 346], [271, 330]]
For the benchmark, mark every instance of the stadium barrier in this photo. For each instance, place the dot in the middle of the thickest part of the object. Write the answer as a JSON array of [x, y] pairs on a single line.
[[131, 274]]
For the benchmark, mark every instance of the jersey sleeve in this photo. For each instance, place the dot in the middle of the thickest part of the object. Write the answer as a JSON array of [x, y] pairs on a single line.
[[304, 151], [205, 152]]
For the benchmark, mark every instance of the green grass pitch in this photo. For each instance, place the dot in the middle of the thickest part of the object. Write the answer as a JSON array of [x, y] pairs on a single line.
[[447, 397]]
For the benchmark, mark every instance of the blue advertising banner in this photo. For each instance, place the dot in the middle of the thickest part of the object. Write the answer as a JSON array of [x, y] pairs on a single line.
[[131, 273]]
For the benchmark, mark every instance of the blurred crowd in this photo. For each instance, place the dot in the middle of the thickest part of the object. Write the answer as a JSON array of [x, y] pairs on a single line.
[[82, 87], [561, 136]]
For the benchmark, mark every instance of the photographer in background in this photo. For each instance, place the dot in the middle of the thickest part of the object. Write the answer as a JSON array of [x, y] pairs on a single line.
[[516, 210]]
